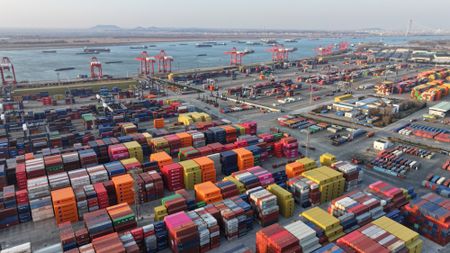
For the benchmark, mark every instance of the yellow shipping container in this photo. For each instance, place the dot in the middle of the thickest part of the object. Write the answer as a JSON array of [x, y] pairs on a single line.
[[239, 185], [327, 159], [285, 200], [160, 212], [403, 233], [308, 163], [192, 178], [343, 97], [331, 226], [331, 182]]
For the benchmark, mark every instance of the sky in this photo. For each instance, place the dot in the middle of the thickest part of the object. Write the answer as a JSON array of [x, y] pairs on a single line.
[[262, 14]]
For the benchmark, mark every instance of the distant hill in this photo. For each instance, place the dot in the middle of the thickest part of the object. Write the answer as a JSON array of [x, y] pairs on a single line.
[[106, 28]]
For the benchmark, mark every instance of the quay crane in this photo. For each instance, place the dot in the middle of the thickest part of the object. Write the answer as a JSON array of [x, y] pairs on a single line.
[[343, 46], [8, 76], [236, 56], [7, 72], [324, 51], [147, 64], [279, 53], [164, 62], [96, 68]]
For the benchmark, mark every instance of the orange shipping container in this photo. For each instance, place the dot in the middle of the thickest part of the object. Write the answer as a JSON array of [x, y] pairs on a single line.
[[162, 158], [207, 167]]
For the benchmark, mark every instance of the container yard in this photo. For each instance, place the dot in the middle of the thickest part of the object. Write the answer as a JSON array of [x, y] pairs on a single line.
[[343, 151]]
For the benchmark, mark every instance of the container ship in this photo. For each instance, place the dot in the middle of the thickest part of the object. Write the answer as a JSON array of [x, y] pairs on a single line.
[[64, 69], [139, 47], [203, 45], [100, 50], [113, 62]]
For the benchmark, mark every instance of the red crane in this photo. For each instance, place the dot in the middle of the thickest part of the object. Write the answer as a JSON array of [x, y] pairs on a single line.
[[96, 68], [279, 53], [324, 51], [7, 72], [343, 46], [235, 56], [147, 64], [164, 62]]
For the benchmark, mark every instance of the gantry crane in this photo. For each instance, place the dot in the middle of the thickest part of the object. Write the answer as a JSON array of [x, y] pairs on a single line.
[[235, 56], [324, 51], [96, 68], [343, 46], [8, 76], [279, 53], [164, 62], [147, 64]]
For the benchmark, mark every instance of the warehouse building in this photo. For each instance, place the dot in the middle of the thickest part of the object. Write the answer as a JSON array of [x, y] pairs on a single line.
[[440, 110]]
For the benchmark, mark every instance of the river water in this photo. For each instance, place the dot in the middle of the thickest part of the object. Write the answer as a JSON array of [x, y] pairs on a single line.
[[33, 65]]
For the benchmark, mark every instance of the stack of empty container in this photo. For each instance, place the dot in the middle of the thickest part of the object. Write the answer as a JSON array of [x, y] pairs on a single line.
[[91, 197], [97, 174], [298, 167], [394, 197], [71, 161], [208, 171], [229, 162], [207, 192], [150, 186], [356, 209], [173, 176], [236, 216], [132, 164], [327, 159], [295, 237], [290, 147], [352, 173], [108, 243], [330, 225], [88, 157], [162, 158], [331, 182], [183, 233], [114, 169], [230, 187], [265, 205], [124, 186], [305, 191], [135, 150], [118, 152], [58, 180], [35, 168], [102, 195], [208, 229], [160, 144], [79, 178], [122, 217], [284, 199], [40, 200], [53, 164], [98, 223], [192, 174], [429, 215], [245, 158], [8, 208], [275, 238], [383, 235], [306, 236], [23, 205], [64, 205]]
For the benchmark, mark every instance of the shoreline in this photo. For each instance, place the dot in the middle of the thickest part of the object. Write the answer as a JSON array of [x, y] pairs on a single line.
[[72, 42]]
